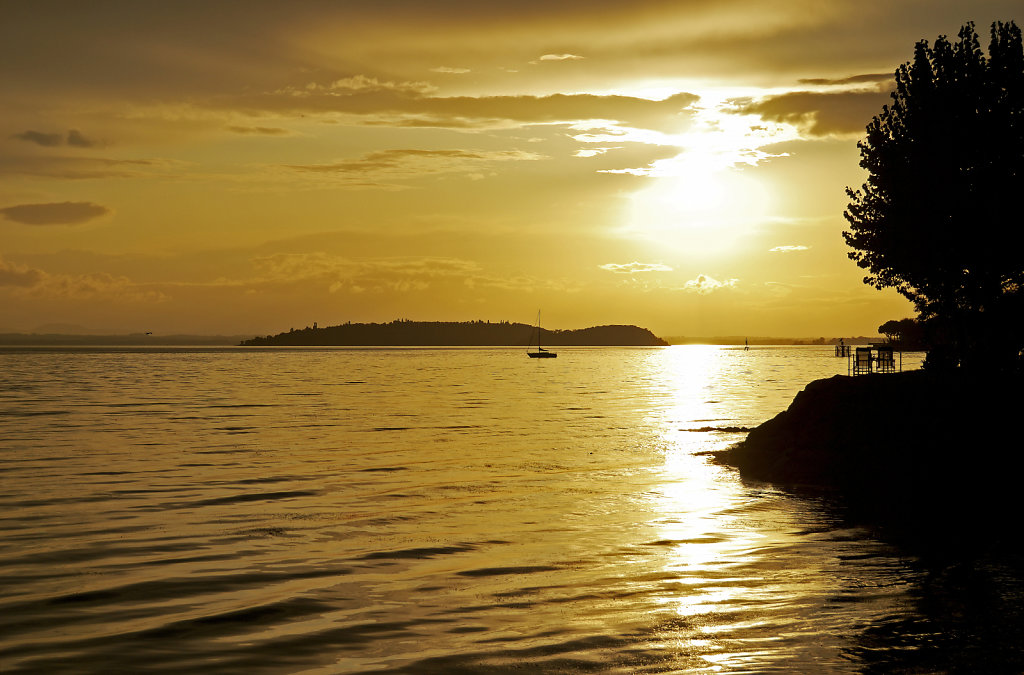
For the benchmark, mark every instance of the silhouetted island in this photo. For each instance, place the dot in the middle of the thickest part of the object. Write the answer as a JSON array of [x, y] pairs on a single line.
[[402, 333], [924, 451]]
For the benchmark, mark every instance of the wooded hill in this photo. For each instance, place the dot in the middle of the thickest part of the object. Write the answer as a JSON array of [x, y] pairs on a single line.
[[457, 334]]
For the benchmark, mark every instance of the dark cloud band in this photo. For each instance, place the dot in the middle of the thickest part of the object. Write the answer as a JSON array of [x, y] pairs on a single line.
[[74, 138], [60, 213]]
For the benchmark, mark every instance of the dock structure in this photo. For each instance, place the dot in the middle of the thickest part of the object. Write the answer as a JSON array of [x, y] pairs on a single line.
[[843, 351], [878, 358]]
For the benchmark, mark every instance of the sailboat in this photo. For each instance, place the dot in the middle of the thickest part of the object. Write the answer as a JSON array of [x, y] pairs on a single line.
[[541, 353]]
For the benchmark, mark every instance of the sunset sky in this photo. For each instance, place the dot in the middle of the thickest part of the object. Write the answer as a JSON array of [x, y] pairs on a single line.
[[247, 167]]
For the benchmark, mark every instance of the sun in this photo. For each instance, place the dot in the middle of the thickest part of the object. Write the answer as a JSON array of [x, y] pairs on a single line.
[[698, 213], [704, 201]]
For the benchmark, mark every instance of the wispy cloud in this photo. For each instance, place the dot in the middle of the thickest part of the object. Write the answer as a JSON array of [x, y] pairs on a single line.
[[635, 267], [377, 168], [593, 152], [99, 285], [348, 86], [77, 168], [789, 249], [705, 284], [368, 101], [559, 57], [25, 280], [260, 131], [296, 266], [868, 79]]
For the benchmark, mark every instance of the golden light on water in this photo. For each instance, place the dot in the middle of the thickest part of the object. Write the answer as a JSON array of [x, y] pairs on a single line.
[[700, 512], [689, 375], [693, 486]]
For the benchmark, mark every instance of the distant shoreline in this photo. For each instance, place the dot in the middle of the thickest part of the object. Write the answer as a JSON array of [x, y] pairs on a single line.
[[122, 340], [23, 339], [770, 341]]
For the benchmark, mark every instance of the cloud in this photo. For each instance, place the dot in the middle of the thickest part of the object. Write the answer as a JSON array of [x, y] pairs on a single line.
[[558, 57], [819, 113], [189, 52], [61, 213], [40, 138], [867, 78], [99, 285], [260, 131], [445, 70], [360, 84], [704, 284], [297, 266], [77, 168], [635, 267], [593, 152], [30, 281], [789, 249], [396, 274], [21, 276], [73, 138], [375, 168], [370, 102], [401, 274], [76, 139]]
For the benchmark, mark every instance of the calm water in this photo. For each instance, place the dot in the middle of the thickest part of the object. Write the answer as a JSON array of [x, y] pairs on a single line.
[[441, 510]]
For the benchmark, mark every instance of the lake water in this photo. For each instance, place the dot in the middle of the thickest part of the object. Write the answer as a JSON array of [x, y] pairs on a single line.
[[444, 510]]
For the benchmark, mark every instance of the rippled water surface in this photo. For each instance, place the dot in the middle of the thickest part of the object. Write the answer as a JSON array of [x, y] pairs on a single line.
[[425, 510]]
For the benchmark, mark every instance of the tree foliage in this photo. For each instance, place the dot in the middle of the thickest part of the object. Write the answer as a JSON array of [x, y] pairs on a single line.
[[939, 218], [907, 333]]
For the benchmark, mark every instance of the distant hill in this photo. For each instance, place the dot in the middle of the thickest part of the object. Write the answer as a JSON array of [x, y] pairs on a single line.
[[457, 334]]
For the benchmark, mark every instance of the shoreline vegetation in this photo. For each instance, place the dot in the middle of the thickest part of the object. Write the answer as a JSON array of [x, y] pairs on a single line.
[[916, 452]]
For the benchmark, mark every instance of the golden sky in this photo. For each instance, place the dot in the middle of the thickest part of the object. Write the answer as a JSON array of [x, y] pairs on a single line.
[[247, 167]]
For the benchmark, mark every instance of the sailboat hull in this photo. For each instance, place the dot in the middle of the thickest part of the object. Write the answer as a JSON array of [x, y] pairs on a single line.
[[542, 355]]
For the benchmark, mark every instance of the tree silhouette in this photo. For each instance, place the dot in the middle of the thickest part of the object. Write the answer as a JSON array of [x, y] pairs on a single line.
[[907, 333], [939, 216]]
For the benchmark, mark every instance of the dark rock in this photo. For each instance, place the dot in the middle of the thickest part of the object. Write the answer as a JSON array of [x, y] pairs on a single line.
[[916, 447]]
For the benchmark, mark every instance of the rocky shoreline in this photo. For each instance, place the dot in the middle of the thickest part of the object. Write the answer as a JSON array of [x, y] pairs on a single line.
[[920, 449]]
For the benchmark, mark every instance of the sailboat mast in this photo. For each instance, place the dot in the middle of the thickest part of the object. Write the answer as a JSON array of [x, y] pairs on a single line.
[[541, 353]]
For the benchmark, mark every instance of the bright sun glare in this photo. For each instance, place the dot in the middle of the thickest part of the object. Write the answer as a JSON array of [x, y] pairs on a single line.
[[698, 213], [706, 199]]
